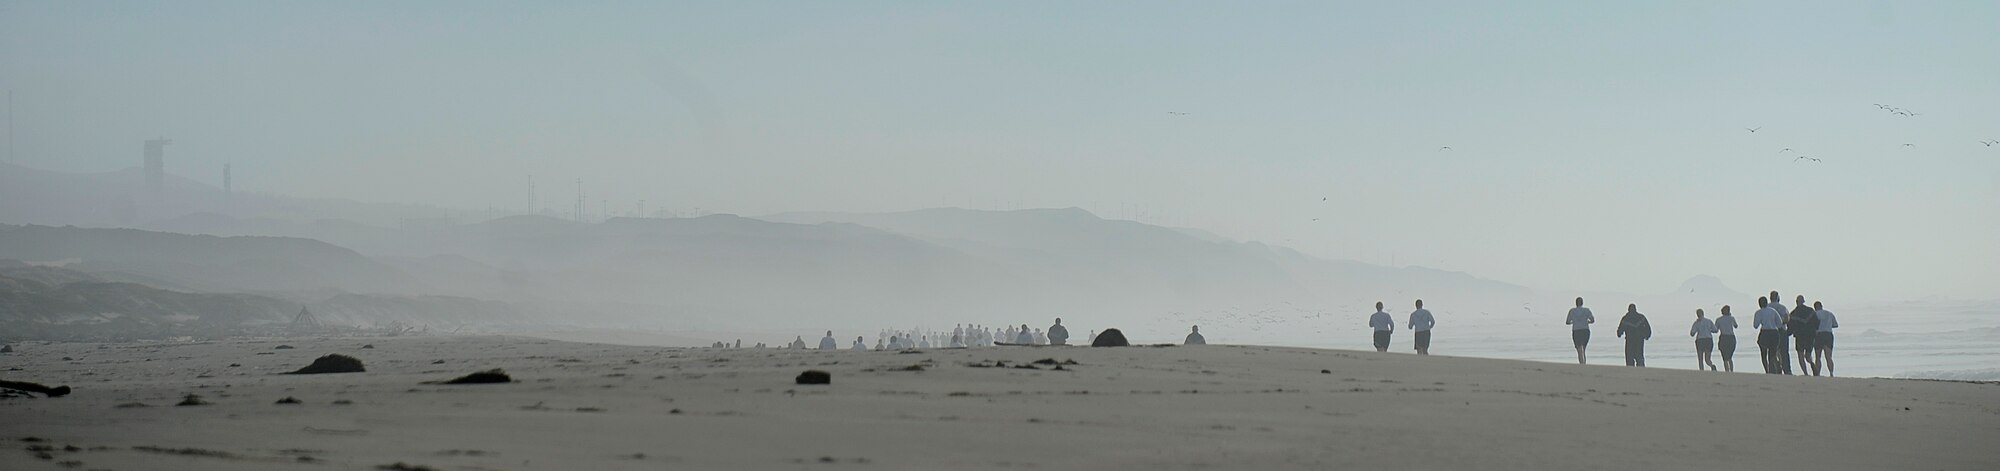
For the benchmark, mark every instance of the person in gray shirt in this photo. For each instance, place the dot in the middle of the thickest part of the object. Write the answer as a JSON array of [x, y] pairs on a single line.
[[1383, 326], [1421, 323], [1704, 341], [1579, 322], [1725, 338]]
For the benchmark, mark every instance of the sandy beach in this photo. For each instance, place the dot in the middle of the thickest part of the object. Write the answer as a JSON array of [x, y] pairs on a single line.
[[594, 406]]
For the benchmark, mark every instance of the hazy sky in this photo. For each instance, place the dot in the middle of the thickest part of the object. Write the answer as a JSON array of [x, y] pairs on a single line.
[[1595, 145]]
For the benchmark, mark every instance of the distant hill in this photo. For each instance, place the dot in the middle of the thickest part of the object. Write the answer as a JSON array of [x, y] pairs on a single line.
[[49, 303], [206, 263]]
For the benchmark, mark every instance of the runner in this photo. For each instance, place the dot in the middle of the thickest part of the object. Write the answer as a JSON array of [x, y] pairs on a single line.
[[1421, 322], [1635, 330], [1725, 339], [1823, 340], [1704, 341], [1579, 322], [1383, 325]]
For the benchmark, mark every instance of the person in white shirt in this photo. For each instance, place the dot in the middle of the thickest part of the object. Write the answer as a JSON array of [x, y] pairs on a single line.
[[1725, 338], [1041, 338], [1195, 338], [1704, 341], [1768, 325], [1383, 325], [1421, 322], [1823, 340], [1784, 340], [858, 345], [1023, 337], [1579, 322], [827, 342]]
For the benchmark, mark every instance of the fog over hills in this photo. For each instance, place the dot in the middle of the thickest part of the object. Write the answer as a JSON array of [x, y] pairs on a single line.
[[804, 270]]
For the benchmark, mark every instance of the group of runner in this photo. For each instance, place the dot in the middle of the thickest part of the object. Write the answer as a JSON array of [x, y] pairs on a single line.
[[1809, 328]]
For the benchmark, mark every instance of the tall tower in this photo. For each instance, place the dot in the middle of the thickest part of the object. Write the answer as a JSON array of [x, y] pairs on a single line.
[[156, 164]]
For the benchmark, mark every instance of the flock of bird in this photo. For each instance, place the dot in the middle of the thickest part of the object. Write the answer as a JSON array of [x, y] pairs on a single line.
[[1904, 112]]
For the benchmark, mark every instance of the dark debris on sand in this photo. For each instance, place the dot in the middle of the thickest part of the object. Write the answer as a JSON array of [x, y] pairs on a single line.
[[491, 376], [332, 363], [401, 466], [815, 377], [289, 400], [24, 386], [192, 400]]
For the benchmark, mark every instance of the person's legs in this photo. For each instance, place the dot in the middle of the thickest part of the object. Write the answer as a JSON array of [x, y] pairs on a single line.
[[1581, 338], [1802, 343], [1728, 353], [1783, 344], [1767, 344], [1824, 345], [1381, 341], [1423, 342]]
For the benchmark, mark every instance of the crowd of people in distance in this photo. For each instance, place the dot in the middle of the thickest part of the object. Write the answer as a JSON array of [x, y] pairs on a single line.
[[960, 336], [1808, 330]]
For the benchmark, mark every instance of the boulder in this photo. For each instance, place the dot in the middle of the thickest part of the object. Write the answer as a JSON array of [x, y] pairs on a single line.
[[333, 363], [1110, 338]]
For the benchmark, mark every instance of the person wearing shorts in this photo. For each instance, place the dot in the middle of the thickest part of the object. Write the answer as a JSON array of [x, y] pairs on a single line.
[[1768, 322], [1579, 322], [1704, 341], [1383, 325], [1823, 340], [1804, 324], [1725, 338], [1421, 322]]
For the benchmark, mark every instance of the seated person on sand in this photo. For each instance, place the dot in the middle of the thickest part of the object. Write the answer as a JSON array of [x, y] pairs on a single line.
[[798, 343], [1040, 338], [827, 342], [859, 346], [1022, 337], [1058, 335], [925, 342], [1195, 337]]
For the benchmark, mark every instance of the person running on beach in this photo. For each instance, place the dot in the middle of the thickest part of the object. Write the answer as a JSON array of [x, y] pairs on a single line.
[[1383, 325], [1823, 340], [1579, 322], [1058, 335], [1196, 338], [1804, 324], [1634, 328], [1421, 322], [1725, 338], [827, 342], [1768, 326], [1704, 341], [1784, 339]]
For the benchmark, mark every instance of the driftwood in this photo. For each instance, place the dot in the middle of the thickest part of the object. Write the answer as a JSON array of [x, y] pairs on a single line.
[[58, 391]]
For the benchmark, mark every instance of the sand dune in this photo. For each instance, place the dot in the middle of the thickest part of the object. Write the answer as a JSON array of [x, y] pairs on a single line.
[[590, 406]]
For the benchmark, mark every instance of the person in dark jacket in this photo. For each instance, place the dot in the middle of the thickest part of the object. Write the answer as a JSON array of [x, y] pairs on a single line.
[[1804, 323], [1634, 328], [1058, 335]]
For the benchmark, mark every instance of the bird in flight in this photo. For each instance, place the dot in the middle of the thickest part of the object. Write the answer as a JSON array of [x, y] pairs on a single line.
[[1753, 129], [1784, 150], [1906, 144], [1445, 148], [1805, 158], [1990, 143], [1177, 113]]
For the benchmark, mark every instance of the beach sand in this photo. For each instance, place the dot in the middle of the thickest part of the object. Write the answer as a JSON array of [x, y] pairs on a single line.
[[577, 406]]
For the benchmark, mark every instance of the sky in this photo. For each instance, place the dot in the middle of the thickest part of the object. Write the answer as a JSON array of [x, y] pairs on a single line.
[[1600, 146]]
